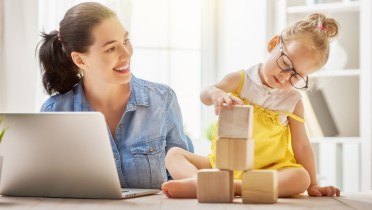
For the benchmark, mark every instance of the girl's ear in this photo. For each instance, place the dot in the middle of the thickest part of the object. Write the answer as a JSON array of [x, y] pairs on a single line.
[[78, 60], [273, 43]]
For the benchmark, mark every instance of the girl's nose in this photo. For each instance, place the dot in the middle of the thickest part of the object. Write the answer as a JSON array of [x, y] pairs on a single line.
[[286, 75]]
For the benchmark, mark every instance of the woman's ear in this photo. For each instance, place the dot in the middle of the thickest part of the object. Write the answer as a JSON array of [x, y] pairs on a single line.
[[273, 43], [78, 60]]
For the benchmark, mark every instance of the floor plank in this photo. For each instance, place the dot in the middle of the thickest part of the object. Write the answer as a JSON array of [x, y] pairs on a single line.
[[356, 200], [347, 201]]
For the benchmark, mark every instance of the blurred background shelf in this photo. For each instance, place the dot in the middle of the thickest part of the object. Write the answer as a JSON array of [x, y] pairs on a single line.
[[341, 91], [325, 7], [337, 73], [335, 140]]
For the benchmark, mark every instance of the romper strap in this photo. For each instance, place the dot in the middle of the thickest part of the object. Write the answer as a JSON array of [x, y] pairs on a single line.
[[242, 76], [237, 94], [293, 116], [237, 91]]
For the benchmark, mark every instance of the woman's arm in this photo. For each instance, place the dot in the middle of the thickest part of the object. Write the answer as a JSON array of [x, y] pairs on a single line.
[[176, 136]]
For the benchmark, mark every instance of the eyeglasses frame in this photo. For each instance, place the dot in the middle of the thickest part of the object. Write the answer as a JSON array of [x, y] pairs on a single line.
[[290, 68]]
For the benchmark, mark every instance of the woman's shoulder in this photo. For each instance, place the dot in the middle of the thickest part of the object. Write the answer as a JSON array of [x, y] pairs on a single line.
[[59, 102], [153, 87]]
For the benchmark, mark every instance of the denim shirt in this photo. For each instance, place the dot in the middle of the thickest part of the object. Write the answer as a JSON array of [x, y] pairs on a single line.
[[150, 126]]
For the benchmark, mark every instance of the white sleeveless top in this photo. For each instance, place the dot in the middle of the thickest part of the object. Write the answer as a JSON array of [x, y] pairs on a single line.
[[273, 99]]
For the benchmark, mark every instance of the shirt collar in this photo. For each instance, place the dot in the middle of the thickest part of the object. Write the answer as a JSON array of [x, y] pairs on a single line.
[[139, 95], [81, 104]]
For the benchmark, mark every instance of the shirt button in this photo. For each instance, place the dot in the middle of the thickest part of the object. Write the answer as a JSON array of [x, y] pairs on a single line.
[[151, 149]]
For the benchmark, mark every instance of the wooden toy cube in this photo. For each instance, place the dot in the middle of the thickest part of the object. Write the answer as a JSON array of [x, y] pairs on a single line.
[[236, 122], [234, 154], [215, 186], [260, 186]]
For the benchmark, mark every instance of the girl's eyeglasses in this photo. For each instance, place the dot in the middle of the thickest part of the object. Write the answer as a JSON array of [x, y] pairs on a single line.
[[285, 64]]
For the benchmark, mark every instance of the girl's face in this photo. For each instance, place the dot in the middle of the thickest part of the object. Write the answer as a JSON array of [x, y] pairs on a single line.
[[108, 59], [288, 64]]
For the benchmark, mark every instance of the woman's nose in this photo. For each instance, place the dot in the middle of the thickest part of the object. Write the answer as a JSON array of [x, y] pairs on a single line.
[[125, 52]]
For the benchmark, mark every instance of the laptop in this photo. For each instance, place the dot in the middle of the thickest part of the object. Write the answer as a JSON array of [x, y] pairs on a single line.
[[60, 154]]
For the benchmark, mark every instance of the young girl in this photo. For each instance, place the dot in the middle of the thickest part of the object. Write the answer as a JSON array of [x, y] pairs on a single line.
[[281, 142]]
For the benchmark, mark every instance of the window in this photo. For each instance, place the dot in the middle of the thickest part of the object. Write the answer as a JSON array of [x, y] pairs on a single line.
[[166, 38]]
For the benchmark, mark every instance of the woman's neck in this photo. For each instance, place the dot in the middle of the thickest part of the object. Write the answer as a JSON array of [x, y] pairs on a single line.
[[107, 97]]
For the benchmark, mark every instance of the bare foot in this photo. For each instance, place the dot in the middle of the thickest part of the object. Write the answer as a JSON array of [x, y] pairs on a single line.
[[183, 188]]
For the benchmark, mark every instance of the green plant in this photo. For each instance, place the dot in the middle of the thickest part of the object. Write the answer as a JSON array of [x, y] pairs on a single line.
[[3, 129], [209, 130]]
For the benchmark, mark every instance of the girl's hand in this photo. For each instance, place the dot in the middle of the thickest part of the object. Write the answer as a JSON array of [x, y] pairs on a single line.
[[226, 101], [316, 190]]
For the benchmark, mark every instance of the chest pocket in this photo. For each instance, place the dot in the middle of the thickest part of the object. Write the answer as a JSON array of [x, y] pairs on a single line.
[[149, 163]]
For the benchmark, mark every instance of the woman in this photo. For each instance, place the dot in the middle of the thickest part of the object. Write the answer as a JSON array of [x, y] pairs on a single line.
[[86, 67]]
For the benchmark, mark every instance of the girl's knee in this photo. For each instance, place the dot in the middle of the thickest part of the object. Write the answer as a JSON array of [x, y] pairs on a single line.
[[304, 180], [173, 153], [301, 184]]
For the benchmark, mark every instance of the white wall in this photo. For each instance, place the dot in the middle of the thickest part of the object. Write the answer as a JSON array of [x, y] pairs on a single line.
[[2, 72], [234, 37], [241, 34], [19, 65]]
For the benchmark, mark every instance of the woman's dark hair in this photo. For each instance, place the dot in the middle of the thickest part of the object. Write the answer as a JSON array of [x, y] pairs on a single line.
[[59, 71]]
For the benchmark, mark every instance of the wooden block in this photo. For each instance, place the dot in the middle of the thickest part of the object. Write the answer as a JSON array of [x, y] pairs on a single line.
[[234, 154], [236, 122], [260, 186], [215, 186]]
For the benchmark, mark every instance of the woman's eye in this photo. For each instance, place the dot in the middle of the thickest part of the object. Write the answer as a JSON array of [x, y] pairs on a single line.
[[126, 41], [112, 49]]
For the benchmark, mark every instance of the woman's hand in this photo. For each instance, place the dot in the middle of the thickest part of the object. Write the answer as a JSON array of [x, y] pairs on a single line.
[[316, 190], [225, 100]]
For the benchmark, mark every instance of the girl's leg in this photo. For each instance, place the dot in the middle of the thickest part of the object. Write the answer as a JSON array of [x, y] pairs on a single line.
[[292, 181], [183, 166]]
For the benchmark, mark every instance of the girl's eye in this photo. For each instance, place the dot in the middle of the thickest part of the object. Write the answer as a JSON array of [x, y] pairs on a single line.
[[287, 64], [295, 76]]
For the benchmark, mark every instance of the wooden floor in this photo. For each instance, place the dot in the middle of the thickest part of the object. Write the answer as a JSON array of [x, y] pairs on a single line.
[[159, 201]]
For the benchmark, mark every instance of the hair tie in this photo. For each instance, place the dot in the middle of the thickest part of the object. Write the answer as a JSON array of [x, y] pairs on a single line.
[[59, 37], [321, 27]]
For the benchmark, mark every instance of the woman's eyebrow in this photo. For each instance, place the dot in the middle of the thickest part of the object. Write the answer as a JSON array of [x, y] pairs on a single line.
[[112, 41], [108, 42]]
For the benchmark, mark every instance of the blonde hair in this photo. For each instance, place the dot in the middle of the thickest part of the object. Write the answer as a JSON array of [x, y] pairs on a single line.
[[318, 29]]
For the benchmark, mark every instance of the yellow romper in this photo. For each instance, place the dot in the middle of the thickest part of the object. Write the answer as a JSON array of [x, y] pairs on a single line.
[[272, 139]]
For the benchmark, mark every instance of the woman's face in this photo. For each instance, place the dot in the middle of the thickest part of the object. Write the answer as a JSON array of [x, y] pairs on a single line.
[[108, 59], [295, 55]]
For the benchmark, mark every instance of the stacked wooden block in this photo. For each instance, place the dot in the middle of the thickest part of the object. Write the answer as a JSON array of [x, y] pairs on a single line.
[[235, 151]]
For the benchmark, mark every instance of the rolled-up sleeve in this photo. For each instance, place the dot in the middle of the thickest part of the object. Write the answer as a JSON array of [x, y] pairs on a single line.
[[176, 136]]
